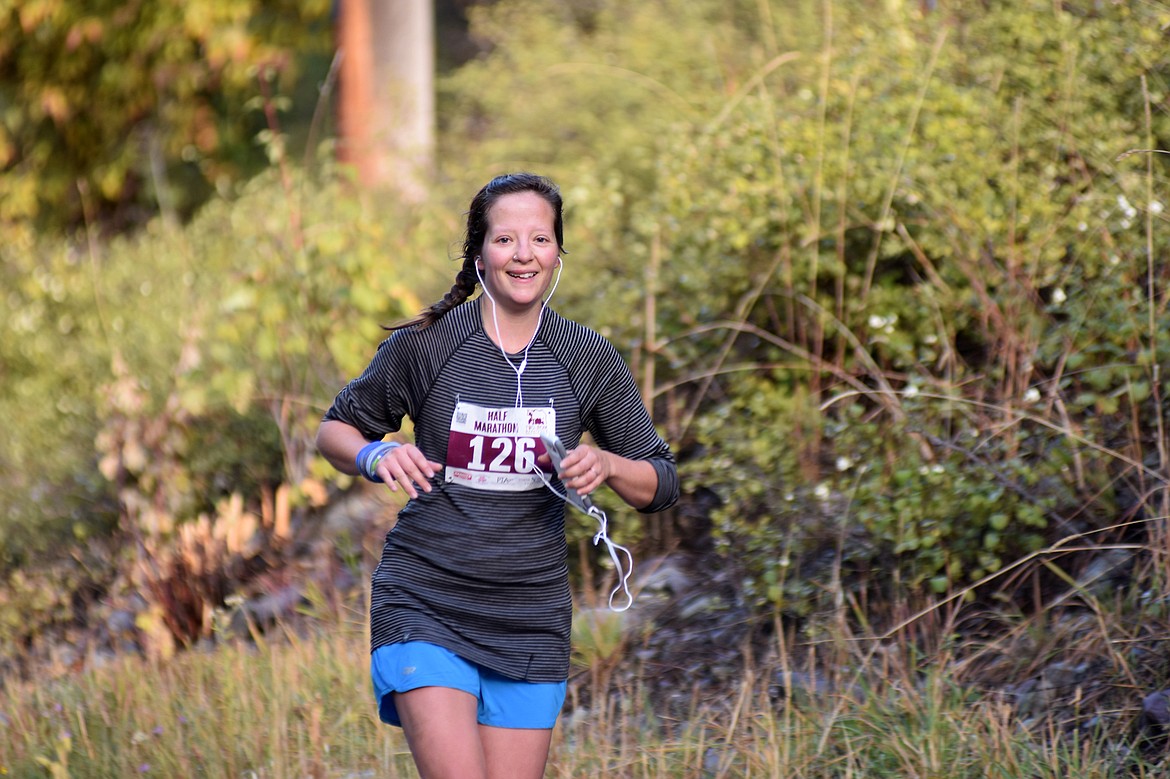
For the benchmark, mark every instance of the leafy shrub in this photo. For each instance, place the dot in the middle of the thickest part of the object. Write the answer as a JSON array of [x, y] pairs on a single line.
[[830, 233], [116, 112], [934, 278], [207, 374]]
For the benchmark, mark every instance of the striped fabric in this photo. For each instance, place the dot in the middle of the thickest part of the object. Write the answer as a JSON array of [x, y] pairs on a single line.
[[485, 574]]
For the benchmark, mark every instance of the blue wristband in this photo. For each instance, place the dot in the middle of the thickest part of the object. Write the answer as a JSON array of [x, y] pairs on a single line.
[[370, 455]]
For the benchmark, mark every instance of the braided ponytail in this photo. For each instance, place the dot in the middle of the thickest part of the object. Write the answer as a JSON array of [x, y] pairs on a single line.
[[477, 227], [465, 284]]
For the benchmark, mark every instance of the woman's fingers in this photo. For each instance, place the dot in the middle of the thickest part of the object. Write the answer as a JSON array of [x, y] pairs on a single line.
[[406, 465], [585, 469]]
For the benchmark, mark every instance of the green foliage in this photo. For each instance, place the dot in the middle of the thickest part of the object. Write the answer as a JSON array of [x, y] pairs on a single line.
[[46, 442], [158, 393], [122, 109], [603, 81], [35, 604], [873, 235], [230, 452], [311, 282], [940, 229], [796, 512]]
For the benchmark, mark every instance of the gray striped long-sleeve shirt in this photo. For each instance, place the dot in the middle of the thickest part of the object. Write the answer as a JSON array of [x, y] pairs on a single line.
[[484, 573]]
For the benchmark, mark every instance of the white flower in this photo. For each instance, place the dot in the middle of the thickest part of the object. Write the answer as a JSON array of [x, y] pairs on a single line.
[[844, 463], [822, 491], [1156, 207], [1058, 296], [1032, 395], [1126, 207], [910, 391]]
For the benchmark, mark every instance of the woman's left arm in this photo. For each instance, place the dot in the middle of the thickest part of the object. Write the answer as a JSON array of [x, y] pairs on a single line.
[[627, 452]]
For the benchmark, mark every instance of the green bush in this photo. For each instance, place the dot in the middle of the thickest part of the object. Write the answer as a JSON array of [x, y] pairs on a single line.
[[204, 374], [922, 250], [113, 113], [904, 281]]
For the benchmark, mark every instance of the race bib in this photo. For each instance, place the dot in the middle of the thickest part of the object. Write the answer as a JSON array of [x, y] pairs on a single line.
[[496, 448]]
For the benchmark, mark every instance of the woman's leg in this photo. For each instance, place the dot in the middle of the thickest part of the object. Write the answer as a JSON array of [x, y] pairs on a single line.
[[515, 753], [441, 729]]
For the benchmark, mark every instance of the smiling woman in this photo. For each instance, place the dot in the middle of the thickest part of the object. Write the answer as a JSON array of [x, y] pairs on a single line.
[[518, 257], [470, 609]]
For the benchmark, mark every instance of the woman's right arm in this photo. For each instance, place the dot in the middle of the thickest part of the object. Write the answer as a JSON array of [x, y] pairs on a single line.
[[340, 443], [405, 465]]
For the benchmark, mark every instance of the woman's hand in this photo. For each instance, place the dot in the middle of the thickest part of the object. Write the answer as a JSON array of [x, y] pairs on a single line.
[[407, 466], [403, 466], [585, 469]]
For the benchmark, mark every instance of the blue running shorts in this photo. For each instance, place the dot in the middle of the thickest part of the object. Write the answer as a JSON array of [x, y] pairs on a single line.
[[503, 702]]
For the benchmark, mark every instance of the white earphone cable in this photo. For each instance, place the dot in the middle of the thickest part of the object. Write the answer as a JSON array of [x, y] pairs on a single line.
[[500, 341], [623, 572]]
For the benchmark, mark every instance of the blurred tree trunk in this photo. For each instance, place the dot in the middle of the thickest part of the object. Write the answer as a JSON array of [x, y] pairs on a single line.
[[387, 106]]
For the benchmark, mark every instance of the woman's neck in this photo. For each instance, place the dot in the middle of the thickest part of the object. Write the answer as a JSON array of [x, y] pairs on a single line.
[[510, 330]]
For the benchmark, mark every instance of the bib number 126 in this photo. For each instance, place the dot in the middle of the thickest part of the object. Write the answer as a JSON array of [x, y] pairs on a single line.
[[503, 454]]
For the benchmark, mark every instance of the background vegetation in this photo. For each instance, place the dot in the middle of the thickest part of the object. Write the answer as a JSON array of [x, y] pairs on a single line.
[[890, 273]]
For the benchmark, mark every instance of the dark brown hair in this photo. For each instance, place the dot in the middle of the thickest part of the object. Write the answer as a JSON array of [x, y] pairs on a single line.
[[477, 226]]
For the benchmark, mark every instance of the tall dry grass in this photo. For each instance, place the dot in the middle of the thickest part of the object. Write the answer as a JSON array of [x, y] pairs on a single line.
[[298, 704], [285, 706]]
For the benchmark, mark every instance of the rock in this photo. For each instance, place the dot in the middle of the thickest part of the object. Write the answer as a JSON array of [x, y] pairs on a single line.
[[266, 610], [798, 684], [663, 577], [1028, 703], [120, 622], [1063, 676], [1058, 682], [712, 760], [1106, 571], [1156, 710]]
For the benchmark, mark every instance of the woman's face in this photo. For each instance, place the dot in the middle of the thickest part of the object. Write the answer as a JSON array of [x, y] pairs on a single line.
[[519, 255]]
